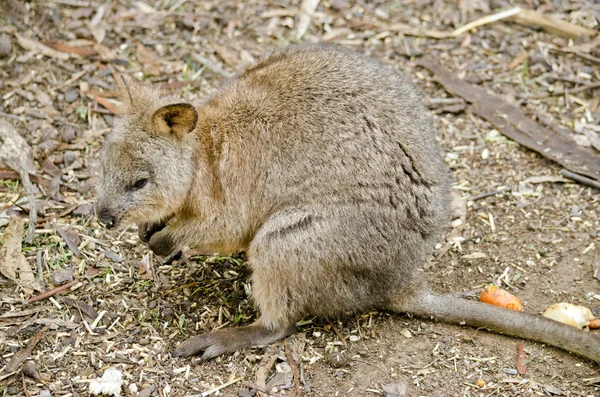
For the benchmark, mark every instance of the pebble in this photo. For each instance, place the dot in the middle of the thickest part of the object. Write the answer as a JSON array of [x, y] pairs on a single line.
[[395, 390], [337, 359], [5, 45], [30, 369], [71, 95], [147, 391], [61, 276], [152, 305], [68, 134], [69, 157], [45, 393], [12, 390], [84, 209]]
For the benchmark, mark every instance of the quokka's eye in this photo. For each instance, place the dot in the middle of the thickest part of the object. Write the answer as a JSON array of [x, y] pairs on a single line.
[[140, 183]]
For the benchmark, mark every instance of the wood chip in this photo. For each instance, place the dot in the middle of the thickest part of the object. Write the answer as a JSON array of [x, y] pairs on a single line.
[[39, 48]]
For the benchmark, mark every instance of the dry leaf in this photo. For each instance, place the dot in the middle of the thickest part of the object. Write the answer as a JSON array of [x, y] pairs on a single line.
[[81, 51], [16, 154], [13, 264]]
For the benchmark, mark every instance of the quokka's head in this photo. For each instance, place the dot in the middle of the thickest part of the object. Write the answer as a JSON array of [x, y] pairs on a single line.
[[147, 160]]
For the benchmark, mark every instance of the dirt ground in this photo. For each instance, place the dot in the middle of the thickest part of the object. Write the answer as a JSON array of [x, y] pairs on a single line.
[[59, 61]]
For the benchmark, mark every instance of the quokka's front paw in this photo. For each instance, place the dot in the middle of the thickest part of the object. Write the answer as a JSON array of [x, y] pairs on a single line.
[[162, 243], [147, 229]]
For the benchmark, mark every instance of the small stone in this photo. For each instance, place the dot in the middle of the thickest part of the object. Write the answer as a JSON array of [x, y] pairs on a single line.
[[45, 393], [354, 338], [133, 388], [167, 313], [12, 390], [406, 333], [61, 276], [152, 305], [395, 390], [69, 157], [147, 392], [71, 95], [337, 359], [68, 134], [5, 45], [339, 4], [30, 369], [44, 149], [84, 209], [246, 393]]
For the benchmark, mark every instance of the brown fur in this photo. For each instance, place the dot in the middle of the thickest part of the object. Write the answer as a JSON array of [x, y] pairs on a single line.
[[319, 162]]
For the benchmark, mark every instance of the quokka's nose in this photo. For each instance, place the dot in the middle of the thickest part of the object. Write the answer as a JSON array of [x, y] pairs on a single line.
[[107, 218]]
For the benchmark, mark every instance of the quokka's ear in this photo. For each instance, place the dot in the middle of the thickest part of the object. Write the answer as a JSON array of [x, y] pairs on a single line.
[[178, 119]]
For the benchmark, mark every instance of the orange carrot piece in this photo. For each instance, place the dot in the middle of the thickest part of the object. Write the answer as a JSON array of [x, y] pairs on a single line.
[[499, 297]]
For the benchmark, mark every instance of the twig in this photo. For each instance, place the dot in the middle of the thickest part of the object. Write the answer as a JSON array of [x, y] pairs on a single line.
[[214, 67], [294, 367], [52, 292], [580, 178], [486, 20], [307, 10], [552, 25], [337, 333], [520, 364], [25, 391], [488, 194], [586, 87], [214, 389]]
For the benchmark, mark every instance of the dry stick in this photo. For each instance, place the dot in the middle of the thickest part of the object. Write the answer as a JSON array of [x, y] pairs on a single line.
[[520, 364], [294, 367], [586, 87], [485, 20], [552, 25], [488, 194], [214, 67], [32, 206], [214, 389], [511, 122], [307, 10], [581, 179], [52, 292], [27, 394]]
